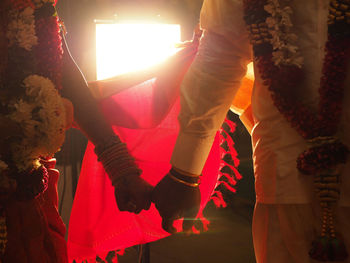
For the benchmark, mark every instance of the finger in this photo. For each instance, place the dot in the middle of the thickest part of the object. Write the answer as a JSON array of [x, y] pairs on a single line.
[[189, 219], [154, 197], [147, 204], [147, 198], [123, 202], [127, 207], [132, 207], [139, 206], [143, 202], [187, 224], [137, 211], [167, 224], [154, 194]]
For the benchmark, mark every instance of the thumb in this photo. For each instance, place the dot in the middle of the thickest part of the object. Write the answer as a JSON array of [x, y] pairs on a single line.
[[147, 196], [121, 200]]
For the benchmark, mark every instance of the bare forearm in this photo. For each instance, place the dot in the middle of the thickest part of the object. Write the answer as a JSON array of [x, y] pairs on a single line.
[[86, 111]]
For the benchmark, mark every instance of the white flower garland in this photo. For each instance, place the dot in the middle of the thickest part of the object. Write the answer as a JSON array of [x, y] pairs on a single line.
[[285, 50], [39, 3], [41, 115], [40, 112], [21, 29]]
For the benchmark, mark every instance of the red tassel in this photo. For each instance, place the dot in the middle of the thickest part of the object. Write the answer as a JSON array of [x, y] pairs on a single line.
[[229, 179], [228, 187], [218, 199], [229, 170], [205, 222]]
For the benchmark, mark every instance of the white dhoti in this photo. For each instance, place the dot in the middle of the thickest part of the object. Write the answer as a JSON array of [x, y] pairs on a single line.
[[283, 233]]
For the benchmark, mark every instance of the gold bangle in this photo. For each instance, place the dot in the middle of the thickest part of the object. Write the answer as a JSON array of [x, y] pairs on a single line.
[[185, 173], [183, 182]]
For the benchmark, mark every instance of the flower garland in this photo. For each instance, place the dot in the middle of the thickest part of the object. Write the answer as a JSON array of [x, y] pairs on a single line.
[[29, 98], [30, 105], [281, 68]]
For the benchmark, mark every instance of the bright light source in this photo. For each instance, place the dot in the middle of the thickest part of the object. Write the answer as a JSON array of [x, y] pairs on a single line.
[[250, 71], [122, 48]]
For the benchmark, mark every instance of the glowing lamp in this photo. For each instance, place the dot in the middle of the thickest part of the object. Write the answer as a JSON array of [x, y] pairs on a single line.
[[127, 47]]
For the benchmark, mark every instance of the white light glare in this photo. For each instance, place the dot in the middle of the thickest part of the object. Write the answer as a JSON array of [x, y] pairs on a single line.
[[122, 48]]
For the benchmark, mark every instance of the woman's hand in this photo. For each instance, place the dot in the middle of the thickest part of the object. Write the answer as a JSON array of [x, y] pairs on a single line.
[[133, 194]]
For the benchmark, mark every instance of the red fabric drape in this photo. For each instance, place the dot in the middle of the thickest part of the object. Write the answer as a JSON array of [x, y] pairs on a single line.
[[145, 117], [36, 232]]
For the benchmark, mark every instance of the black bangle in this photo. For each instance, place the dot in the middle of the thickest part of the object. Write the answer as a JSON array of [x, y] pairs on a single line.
[[106, 143]]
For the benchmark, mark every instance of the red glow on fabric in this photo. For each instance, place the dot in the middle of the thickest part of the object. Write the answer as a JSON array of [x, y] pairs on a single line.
[[36, 232], [145, 117]]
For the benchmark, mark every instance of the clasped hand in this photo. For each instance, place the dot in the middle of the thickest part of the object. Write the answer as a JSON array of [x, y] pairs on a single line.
[[133, 194], [173, 200]]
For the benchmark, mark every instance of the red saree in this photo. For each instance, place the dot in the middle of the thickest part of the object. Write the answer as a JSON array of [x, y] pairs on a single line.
[[35, 231], [145, 117]]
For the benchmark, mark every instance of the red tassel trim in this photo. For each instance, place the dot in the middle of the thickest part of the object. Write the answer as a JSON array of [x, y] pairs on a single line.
[[228, 174]]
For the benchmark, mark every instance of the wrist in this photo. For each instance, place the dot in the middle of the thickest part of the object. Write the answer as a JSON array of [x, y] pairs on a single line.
[[106, 143], [116, 159], [184, 178], [184, 173]]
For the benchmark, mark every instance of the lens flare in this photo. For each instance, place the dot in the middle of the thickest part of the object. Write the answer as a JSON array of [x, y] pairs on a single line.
[[127, 47]]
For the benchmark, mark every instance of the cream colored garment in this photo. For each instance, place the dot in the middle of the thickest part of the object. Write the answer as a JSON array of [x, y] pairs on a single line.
[[213, 80], [283, 233]]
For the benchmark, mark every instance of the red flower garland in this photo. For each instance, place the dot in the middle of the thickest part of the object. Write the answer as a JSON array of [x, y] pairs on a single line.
[[22, 4], [319, 129], [308, 124], [33, 184], [45, 60], [49, 48]]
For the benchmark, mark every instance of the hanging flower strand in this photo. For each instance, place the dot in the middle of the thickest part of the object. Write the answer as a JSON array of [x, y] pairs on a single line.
[[30, 74], [285, 49], [281, 68], [30, 96]]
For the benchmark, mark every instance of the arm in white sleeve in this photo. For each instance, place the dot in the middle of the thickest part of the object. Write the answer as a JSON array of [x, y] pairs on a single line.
[[211, 83]]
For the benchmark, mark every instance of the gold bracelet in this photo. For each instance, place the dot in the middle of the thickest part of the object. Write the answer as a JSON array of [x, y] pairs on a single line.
[[183, 182], [185, 173]]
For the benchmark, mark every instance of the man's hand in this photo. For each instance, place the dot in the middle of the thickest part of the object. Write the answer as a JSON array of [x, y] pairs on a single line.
[[175, 200], [133, 194]]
